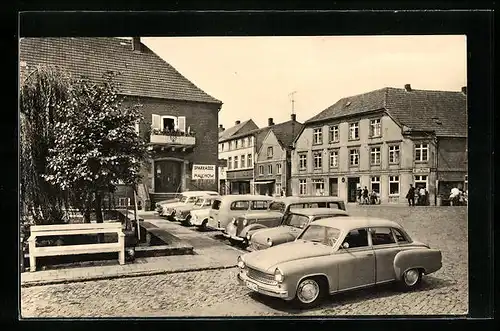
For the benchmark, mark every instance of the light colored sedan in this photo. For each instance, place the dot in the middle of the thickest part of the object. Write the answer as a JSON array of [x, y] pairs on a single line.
[[338, 254], [183, 213]]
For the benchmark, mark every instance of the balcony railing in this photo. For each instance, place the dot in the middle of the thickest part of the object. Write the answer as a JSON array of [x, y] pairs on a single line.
[[173, 138]]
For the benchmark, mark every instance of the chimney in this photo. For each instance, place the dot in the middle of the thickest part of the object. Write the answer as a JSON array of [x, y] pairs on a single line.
[[221, 128], [136, 44], [237, 122], [408, 87], [270, 121], [464, 90], [294, 117]]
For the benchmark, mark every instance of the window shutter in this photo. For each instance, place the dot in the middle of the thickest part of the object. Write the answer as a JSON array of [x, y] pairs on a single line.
[[156, 122], [181, 123]]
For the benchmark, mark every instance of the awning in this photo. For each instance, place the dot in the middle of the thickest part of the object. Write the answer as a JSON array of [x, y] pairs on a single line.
[[263, 182]]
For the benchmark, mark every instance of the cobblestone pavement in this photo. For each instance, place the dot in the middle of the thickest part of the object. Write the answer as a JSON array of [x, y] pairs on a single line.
[[216, 293]]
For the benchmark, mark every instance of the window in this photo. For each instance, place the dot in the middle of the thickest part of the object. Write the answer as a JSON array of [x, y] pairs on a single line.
[[303, 161], [354, 157], [236, 143], [231, 145], [243, 161], [334, 159], [421, 152], [421, 181], [318, 136], [245, 142], [400, 237], [382, 236], [168, 123], [334, 188], [240, 205], [375, 128], [394, 154], [277, 189], [466, 183], [221, 147], [261, 170], [229, 163], [357, 238], [318, 186], [296, 220], [269, 152], [259, 205], [236, 162], [123, 202], [375, 156], [323, 234], [278, 168], [302, 187], [249, 161], [317, 159], [333, 134], [354, 131], [269, 169], [393, 185], [375, 184]]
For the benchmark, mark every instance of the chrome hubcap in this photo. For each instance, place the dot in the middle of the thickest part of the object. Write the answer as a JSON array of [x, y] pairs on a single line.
[[308, 291], [411, 277]]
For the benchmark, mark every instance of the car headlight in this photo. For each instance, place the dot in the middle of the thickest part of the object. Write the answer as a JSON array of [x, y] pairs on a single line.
[[248, 236], [269, 242], [278, 275], [245, 222], [241, 264]]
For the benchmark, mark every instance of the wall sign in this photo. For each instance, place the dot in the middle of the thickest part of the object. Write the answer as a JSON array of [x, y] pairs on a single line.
[[421, 170], [203, 171]]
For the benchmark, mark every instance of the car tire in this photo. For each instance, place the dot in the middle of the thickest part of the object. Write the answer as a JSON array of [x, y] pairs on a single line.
[[187, 221], [203, 226], [310, 292], [411, 279]]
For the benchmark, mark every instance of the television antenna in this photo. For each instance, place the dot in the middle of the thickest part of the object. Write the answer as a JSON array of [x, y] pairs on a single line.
[[292, 97]]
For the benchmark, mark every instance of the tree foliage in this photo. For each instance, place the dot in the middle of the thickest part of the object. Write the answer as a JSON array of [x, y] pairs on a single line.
[[95, 143]]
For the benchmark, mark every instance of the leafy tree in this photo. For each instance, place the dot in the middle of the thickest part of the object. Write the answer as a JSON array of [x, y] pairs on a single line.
[[96, 144], [41, 92]]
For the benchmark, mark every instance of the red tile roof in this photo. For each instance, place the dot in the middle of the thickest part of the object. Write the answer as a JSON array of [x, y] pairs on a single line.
[[444, 112], [142, 73]]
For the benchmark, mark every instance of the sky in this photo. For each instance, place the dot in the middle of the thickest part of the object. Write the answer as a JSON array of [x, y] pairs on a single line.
[[254, 76]]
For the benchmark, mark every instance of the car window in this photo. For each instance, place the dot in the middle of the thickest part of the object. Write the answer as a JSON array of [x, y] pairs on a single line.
[[277, 206], [184, 198], [296, 220], [198, 202], [322, 234], [259, 205], [216, 204], [334, 205], [240, 205], [207, 202], [400, 237], [357, 238], [191, 199], [382, 236]]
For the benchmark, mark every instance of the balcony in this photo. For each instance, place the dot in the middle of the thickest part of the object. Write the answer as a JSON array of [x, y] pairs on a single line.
[[172, 139]]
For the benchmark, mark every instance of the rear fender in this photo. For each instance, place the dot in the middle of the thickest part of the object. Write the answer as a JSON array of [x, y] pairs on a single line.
[[429, 260]]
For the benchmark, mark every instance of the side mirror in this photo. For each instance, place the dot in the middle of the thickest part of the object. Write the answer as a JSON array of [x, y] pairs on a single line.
[[345, 245]]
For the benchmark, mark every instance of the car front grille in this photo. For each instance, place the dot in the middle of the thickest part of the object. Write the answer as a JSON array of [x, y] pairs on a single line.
[[261, 276]]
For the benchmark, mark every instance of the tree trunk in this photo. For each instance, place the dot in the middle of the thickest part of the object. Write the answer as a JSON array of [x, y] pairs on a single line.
[[98, 214]]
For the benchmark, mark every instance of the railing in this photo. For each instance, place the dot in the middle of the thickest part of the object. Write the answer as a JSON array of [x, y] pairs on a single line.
[[171, 137]]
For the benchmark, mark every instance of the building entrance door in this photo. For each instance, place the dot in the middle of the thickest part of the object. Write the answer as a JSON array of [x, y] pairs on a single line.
[[352, 183], [334, 187], [168, 176]]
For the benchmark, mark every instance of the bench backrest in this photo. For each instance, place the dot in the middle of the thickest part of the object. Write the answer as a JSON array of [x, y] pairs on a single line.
[[91, 227]]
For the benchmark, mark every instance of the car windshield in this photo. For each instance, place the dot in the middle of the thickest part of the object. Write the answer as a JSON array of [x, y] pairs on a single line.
[[277, 206], [191, 199], [296, 220], [322, 234]]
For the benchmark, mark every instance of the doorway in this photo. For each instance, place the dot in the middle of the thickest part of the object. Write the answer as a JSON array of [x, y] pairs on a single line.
[[352, 184], [168, 176], [334, 187]]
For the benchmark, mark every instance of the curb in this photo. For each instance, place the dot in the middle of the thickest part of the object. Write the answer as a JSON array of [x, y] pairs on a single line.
[[128, 275]]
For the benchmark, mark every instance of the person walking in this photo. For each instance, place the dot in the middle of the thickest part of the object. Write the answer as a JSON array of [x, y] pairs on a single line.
[[365, 196], [411, 196]]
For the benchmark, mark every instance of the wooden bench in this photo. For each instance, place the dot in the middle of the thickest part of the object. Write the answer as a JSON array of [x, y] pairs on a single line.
[[75, 229]]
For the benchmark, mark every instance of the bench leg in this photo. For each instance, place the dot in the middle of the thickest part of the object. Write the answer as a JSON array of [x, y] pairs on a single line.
[[32, 256], [121, 257], [121, 254]]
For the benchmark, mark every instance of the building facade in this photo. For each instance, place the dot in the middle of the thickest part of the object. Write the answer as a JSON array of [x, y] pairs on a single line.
[[384, 140], [179, 119]]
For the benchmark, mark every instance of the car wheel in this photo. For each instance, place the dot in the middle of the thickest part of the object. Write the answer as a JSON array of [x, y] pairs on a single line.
[[310, 292], [203, 226], [187, 221], [411, 279]]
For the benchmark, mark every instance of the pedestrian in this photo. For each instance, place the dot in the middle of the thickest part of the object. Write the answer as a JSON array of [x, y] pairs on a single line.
[[373, 197], [411, 196], [359, 193], [454, 196], [365, 195]]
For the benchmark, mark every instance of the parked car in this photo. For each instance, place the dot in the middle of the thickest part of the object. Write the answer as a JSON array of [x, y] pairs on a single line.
[[226, 208], [242, 227], [291, 226], [188, 197], [183, 213], [338, 254]]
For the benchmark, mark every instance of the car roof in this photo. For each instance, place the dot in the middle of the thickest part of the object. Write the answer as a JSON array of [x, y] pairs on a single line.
[[318, 211], [307, 199], [199, 193], [237, 197], [354, 222]]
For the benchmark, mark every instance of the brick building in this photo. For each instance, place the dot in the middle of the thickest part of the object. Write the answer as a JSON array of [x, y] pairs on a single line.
[[385, 140], [180, 119]]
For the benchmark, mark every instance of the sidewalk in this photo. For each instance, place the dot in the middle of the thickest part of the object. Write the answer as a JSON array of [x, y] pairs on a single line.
[[209, 254]]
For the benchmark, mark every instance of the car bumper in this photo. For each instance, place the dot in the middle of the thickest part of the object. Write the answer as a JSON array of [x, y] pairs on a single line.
[[215, 225], [270, 290], [232, 237]]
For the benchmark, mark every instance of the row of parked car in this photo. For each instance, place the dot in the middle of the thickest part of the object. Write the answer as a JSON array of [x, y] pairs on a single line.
[[304, 248]]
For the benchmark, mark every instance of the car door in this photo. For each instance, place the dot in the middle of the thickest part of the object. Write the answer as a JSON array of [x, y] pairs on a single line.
[[385, 249], [357, 267]]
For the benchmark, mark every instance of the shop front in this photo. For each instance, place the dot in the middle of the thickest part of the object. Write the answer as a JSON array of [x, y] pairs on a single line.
[[238, 182], [265, 187]]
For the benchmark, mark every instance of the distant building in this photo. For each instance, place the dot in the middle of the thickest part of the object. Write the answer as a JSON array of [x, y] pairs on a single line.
[[273, 163], [385, 140], [180, 119]]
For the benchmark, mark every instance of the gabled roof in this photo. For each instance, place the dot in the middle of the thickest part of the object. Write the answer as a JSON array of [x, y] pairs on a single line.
[[141, 73], [444, 112], [287, 132], [243, 127]]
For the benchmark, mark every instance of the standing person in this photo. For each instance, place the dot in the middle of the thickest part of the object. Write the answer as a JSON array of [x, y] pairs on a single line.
[[421, 196], [411, 196], [359, 194], [365, 195]]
